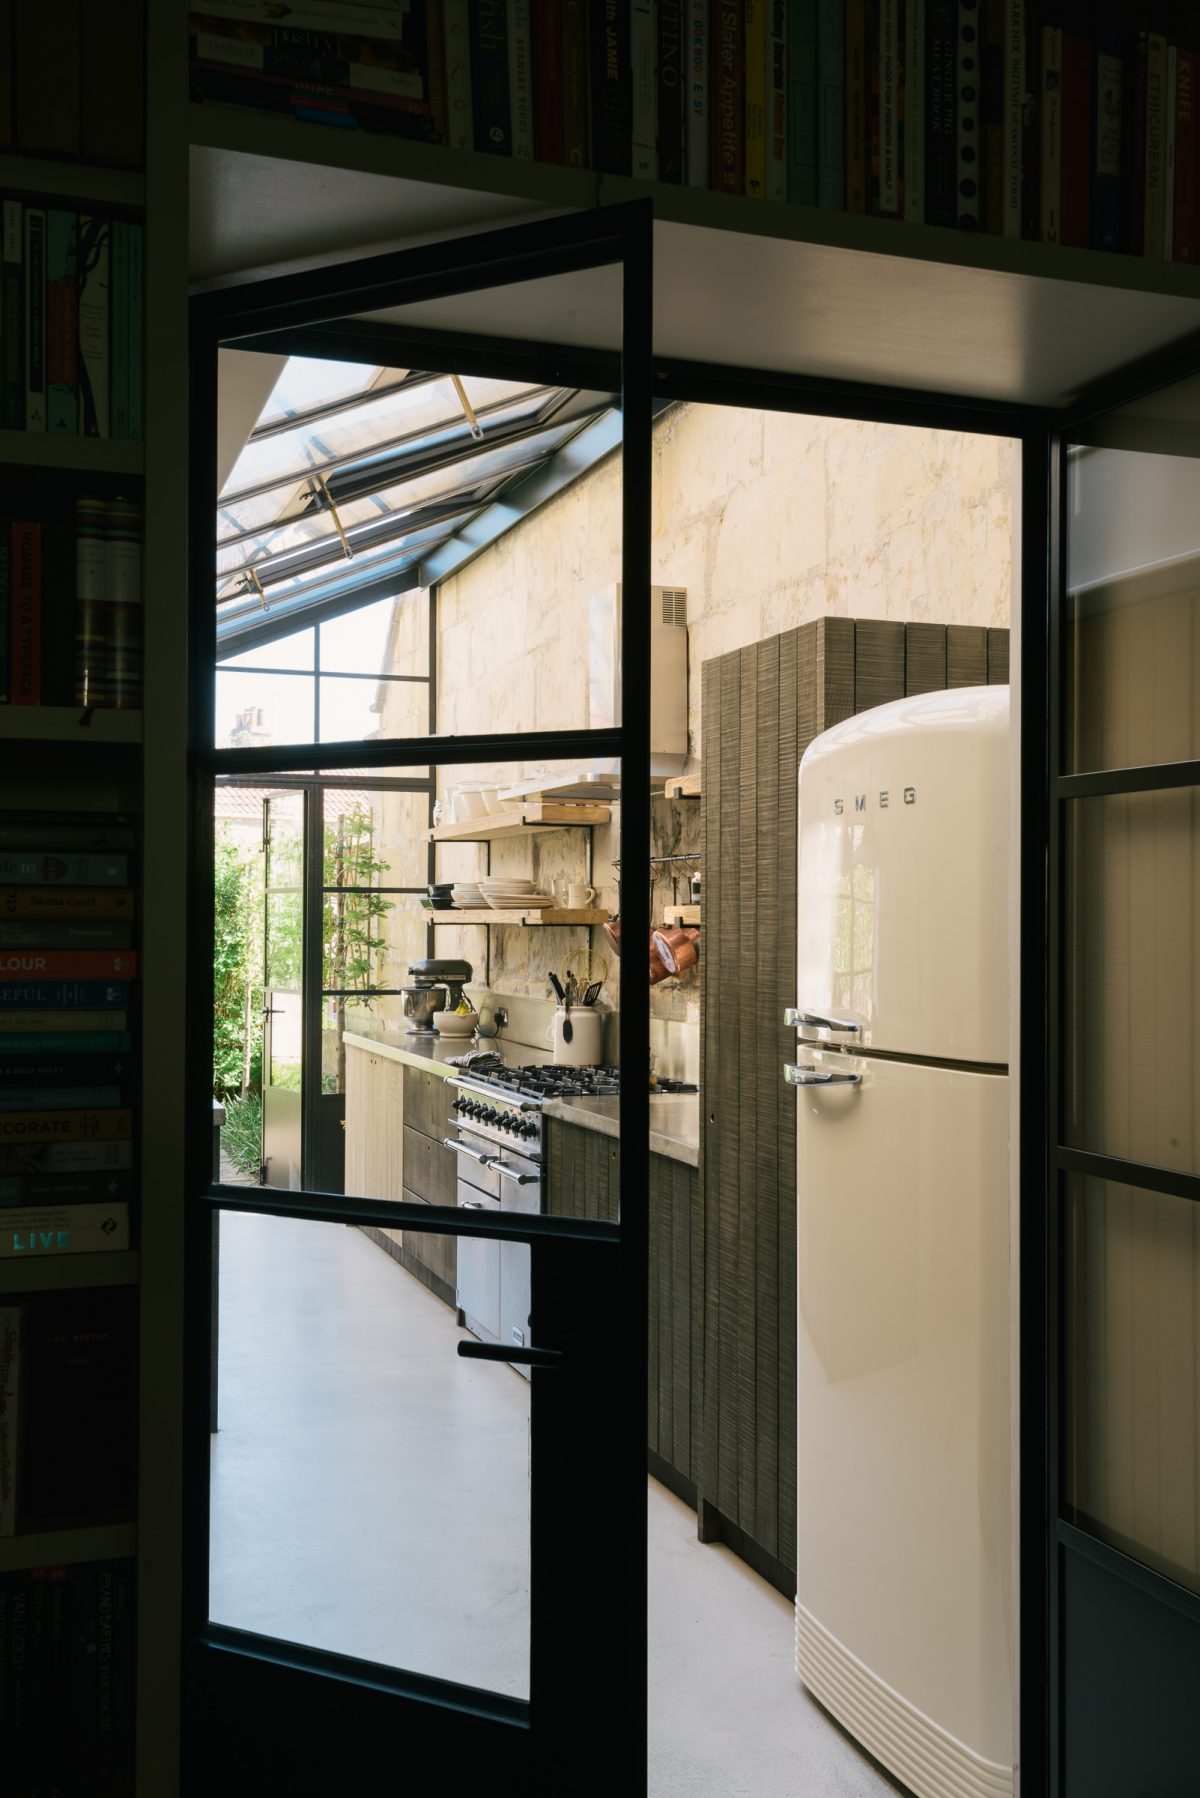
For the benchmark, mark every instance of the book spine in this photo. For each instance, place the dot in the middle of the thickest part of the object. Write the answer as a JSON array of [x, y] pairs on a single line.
[[699, 51], [1014, 114], [992, 118], [14, 318], [1156, 86], [802, 102], [776, 100], [70, 830], [5, 616], [25, 605], [1031, 137], [123, 632], [520, 80], [1108, 95], [888, 200], [915, 107], [109, 1124], [609, 80], [1051, 122], [33, 867], [86, 964], [134, 330], [27, 995], [669, 82], [321, 103], [576, 124], [547, 24], [86, 1041], [941, 130], [856, 106], [54, 1229], [1169, 154], [726, 158], [390, 25], [49, 1070], [62, 408], [119, 330], [16, 934], [754, 97], [435, 62], [643, 89], [91, 588], [41, 1024], [66, 1189], [66, 902], [67, 1158], [48, 1098], [967, 116], [1183, 236], [95, 235], [1075, 207], [1133, 149], [11, 1322], [35, 318], [460, 125], [831, 105]]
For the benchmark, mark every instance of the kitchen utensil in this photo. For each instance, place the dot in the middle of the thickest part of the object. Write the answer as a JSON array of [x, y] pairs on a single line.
[[678, 947], [580, 896], [455, 1023], [556, 983], [593, 992], [694, 885], [420, 1004], [450, 974]]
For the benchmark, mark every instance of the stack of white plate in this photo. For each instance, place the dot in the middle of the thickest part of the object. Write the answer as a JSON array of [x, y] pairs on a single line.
[[467, 896], [514, 895]]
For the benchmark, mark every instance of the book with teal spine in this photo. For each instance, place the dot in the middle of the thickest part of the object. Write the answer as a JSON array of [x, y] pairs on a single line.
[[62, 323], [119, 330]]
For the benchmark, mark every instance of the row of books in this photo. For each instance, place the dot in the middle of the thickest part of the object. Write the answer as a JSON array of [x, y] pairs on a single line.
[[68, 1072], [70, 322], [71, 603], [1019, 117], [72, 79], [67, 1678]]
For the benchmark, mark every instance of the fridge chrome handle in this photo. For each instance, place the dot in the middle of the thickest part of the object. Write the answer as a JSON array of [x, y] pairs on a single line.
[[799, 1019], [809, 1076], [498, 1167]]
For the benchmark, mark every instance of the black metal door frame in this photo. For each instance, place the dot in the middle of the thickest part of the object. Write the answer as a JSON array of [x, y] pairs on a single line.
[[262, 1714]]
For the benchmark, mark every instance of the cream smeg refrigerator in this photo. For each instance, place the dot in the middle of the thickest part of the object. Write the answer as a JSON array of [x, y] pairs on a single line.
[[903, 1550]]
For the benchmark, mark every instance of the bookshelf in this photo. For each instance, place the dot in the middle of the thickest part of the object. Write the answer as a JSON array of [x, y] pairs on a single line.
[[61, 179], [67, 1273], [71, 455], [67, 724], [61, 1548]]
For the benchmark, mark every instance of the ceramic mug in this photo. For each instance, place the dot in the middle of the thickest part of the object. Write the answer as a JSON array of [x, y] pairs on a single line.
[[579, 896]]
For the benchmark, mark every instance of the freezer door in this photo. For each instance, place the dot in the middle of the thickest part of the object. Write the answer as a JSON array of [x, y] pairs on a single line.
[[903, 1516], [902, 903]]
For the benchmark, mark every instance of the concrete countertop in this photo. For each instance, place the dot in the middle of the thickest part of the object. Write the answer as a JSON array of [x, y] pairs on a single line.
[[674, 1121], [433, 1053]]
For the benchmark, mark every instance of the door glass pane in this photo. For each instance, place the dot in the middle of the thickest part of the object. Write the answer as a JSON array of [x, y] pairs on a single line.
[[1132, 644], [370, 1489], [1132, 959], [1131, 1293]]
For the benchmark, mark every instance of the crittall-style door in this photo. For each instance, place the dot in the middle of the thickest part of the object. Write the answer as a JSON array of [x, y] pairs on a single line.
[[1123, 1189], [283, 989], [454, 1591]]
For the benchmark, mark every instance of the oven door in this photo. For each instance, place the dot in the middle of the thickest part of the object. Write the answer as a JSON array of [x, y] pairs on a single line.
[[478, 1278], [520, 1190]]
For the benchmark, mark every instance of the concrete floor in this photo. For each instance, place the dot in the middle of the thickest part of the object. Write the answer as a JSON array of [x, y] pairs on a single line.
[[347, 1421]]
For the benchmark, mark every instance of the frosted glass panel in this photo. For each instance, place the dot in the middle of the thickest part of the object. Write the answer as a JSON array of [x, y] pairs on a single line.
[[1132, 939], [1132, 1378]]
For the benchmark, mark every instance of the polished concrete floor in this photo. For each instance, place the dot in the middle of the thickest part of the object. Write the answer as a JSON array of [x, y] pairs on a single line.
[[369, 1495]]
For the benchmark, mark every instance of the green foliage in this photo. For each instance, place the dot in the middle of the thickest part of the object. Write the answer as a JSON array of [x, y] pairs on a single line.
[[352, 952], [241, 1136], [234, 944]]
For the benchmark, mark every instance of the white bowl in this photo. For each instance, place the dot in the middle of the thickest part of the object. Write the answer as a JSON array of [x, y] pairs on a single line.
[[491, 799], [468, 803], [455, 1023]]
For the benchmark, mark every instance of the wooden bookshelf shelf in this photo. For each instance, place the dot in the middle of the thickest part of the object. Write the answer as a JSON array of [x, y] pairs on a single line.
[[59, 1548], [65, 1273], [533, 815], [514, 916], [675, 916], [72, 180], [71, 455], [66, 724]]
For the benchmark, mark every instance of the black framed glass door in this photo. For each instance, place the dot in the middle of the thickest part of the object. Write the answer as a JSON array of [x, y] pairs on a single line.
[[283, 990], [280, 1694], [1123, 1222]]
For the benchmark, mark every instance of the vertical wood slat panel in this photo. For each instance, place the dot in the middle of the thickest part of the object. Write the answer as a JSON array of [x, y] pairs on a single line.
[[683, 1217], [878, 662], [750, 899], [771, 958], [729, 1019], [966, 655], [997, 658], [834, 673], [704, 1406], [924, 658]]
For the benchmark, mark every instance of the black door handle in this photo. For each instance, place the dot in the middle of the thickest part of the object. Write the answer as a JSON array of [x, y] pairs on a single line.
[[496, 1351]]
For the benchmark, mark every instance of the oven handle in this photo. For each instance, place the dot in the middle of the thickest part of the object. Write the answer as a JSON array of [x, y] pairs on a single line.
[[498, 1167], [452, 1142], [490, 1092]]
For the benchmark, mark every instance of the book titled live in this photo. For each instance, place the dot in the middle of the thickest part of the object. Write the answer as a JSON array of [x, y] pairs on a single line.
[[64, 1229], [34, 994], [87, 964]]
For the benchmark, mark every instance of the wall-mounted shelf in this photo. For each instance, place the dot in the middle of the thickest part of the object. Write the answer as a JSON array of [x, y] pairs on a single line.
[[61, 1548], [72, 455], [67, 724], [514, 915], [534, 815], [58, 1273], [677, 915], [682, 786]]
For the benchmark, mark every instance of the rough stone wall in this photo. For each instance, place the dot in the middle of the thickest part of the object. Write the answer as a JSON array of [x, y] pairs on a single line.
[[769, 520]]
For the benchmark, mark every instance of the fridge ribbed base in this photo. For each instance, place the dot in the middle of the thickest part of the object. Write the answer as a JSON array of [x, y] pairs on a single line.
[[908, 1743]]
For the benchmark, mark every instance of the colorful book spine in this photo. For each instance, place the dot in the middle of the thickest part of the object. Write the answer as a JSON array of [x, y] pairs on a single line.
[[610, 87], [43, 1069], [776, 100], [37, 868], [95, 237], [387, 24], [123, 580], [18, 934], [941, 130], [802, 102], [967, 115], [47, 1098], [489, 76], [670, 80], [726, 155], [1108, 91], [35, 318], [12, 307], [67, 902], [62, 323], [1153, 242], [65, 1189], [109, 1124], [643, 90], [92, 995], [520, 79], [754, 92], [53, 1229], [51, 1026], [66, 1158], [91, 587], [1051, 122], [11, 1329], [1014, 115], [699, 41], [547, 30], [914, 111], [58, 964], [1075, 209], [460, 122], [831, 104], [1187, 145], [86, 1041], [25, 613]]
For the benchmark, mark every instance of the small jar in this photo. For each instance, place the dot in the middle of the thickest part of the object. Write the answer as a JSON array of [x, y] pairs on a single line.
[[695, 887]]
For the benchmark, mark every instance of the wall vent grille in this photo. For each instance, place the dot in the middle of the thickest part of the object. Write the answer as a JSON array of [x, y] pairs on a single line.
[[674, 605]]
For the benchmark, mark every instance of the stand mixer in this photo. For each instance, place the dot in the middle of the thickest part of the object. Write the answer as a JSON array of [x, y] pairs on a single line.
[[434, 986]]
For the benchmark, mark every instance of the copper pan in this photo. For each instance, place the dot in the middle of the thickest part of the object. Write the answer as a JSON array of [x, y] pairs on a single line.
[[678, 948], [658, 967], [612, 931]]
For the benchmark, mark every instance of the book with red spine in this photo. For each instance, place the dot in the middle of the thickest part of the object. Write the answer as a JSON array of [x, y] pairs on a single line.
[[727, 144], [1075, 221], [1183, 236], [25, 613], [77, 964], [547, 81]]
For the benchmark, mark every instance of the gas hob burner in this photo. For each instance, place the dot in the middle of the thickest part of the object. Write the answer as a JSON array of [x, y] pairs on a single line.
[[550, 1082]]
